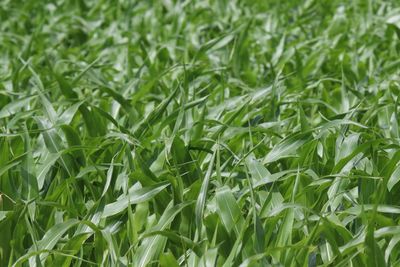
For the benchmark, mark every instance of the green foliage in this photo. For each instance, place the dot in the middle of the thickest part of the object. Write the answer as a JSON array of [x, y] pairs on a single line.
[[199, 133]]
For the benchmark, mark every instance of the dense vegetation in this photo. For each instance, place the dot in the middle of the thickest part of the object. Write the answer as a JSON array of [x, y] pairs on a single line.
[[199, 133]]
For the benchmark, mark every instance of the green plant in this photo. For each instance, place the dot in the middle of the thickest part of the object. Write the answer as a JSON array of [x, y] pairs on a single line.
[[199, 133]]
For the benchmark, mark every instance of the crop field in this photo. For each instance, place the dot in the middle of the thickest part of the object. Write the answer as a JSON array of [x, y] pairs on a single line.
[[199, 133]]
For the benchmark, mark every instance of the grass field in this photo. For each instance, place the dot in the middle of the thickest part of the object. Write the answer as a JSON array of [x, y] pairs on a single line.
[[199, 133]]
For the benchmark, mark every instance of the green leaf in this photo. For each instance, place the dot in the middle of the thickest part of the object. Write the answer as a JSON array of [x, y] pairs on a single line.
[[201, 199], [155, 114], [167, 259], [15, 106], [394, 178], [152, 246], [54, 144], [228, 210], [74, 140], [374, 254], [29, 187], [287, 147], [50, 239], [258, 171], [134, 196]]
